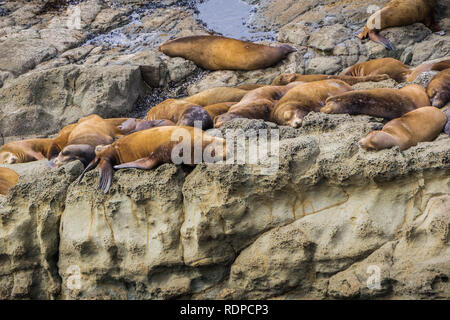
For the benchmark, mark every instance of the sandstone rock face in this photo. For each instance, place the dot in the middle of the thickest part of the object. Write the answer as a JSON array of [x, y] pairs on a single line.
[[331, 222]]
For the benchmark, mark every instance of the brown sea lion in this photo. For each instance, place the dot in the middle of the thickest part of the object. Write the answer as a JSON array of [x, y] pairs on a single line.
[[439, 89], [250, 86], [256, 104], [217, 109], [447, 126], [35, 149], [394, 68], [148, 148], [216, 95], [422, 124], [220, 53], [90, 132], [134, 125], [304, 98], [399, 13], [381, 102], [8, 179], [286, 78], [181, 112]]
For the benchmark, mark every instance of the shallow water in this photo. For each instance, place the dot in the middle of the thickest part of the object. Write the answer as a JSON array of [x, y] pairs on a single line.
[[231, 19]]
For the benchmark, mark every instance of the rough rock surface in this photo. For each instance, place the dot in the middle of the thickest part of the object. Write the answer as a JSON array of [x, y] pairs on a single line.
[[329, 222]]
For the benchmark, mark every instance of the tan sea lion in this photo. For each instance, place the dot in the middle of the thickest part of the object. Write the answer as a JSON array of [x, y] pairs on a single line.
[[216, 95], [394, 68], [250, 86], [134, 125], [89, 132], [439, 89], [256, 104], [381, 102], [422, 124], [286, 78], [221, 53], [181, 112], [8, 179], [148, 148], [35, 149], [399, 13], [304, 98], [217, 109]]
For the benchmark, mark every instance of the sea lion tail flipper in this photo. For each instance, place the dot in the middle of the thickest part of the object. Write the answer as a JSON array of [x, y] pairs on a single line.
[[89, 167], [144, 163], [382, 40], [106, 173]]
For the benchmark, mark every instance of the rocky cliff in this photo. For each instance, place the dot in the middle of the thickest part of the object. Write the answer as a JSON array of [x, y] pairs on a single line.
[[325, 224]]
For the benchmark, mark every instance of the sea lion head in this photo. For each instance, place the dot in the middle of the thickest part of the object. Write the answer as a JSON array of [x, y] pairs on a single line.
[[7, 157], [438, 98], [221, 119], [83, 152], [290, 114], [128, 125], [284, 79], [330, 107], [196, 115], [377, 140]]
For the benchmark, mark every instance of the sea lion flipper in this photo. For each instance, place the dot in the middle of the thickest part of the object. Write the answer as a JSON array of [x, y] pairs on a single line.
[[106, 173], [89, 167], [382, 40], [144, 163]]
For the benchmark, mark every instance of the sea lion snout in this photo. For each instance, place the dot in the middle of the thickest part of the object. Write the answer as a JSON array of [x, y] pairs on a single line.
[[8, 158]]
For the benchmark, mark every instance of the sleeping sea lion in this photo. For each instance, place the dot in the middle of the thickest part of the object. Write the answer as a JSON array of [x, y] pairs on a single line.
[[439, 89], [256, 104], [134, 125], [422, 124], [286, 78], [148, 148], [394, 68], [89, 132], [216, 95], [399, 13], [8, 179], [181, 112], [221, 53], [217, 109], [304, 98], [381, 102]]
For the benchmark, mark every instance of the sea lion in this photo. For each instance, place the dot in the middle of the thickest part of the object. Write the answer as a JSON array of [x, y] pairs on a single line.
[[399, 13], [90, 132], [181, 112], [256, 104], [134, 125], [216, 95], [8, 179], [25, 150], [221, 53], [148, 148], [447, 126], [217, 109], [286, 78], [439, 89], [304, 98], [35, 149], [381, 102], [422, 124], [394, 68], [250, 86]]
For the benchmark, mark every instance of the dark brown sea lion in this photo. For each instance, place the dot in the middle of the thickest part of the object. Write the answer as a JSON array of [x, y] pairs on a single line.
[[304, 98], [181, 112], [148, 148], [89, 132], [422, 124], [220, 53], [439, 89], [381, 102], [286, 78], [399, 13], [8, 179], [216, 95]]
